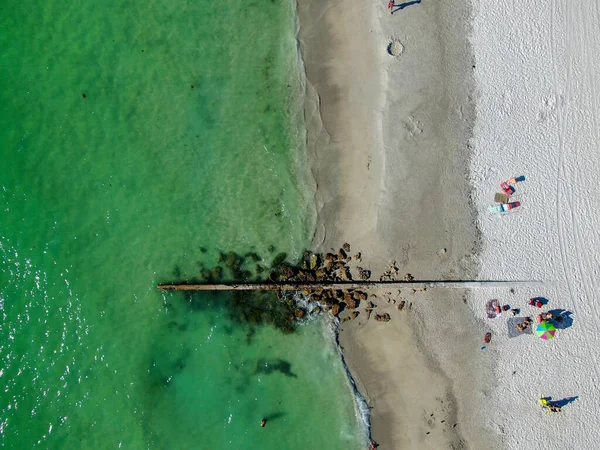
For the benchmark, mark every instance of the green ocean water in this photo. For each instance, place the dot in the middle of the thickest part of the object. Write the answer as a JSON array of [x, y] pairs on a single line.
[[138, 140]]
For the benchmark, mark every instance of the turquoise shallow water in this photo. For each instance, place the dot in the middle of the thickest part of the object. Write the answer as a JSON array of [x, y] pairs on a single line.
[[139, 140]]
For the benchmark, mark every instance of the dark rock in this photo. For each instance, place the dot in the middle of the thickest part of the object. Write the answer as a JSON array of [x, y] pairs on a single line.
[[345, 274], [253, 256], [301, 275], [279, 259], [233, 261], [346, 247], [341, 255], [401, 305], [299, 313], [355, 314], [335, 309], [331, 257], [339, 265], [217, 273], [314, 261], [363, 274], [329, 301], [205, 274], [286, 272], [350, 302], [385, 317], [310, 277]]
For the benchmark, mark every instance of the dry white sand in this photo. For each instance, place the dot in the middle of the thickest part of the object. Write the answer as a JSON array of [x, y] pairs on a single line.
[[538, 115]]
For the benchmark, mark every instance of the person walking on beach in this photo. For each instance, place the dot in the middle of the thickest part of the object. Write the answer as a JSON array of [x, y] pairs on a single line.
[[392, 5]]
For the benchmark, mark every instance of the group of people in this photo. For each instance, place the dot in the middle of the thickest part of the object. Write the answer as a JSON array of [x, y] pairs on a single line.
[[543, 317]]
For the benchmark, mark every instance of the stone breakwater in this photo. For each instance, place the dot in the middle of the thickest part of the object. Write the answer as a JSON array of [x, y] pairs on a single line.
[[262, 307]]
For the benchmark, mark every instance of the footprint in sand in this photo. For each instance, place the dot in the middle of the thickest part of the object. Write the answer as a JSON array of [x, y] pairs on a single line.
[[550, 105]]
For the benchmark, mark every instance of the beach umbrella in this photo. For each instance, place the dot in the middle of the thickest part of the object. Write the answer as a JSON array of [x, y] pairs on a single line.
[[545, 330]]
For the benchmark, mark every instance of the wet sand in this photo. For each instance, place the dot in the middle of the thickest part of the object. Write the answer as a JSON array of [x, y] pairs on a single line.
[[388, 142]]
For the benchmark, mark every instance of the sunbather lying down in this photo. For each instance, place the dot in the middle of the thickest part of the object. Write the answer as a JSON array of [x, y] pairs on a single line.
[[523, 325]]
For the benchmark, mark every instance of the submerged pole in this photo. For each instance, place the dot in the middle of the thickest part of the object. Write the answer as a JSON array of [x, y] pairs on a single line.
[[298, 286]]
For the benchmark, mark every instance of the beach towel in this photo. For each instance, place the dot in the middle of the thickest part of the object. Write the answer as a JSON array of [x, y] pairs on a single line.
[[512, 327], [491, 308]]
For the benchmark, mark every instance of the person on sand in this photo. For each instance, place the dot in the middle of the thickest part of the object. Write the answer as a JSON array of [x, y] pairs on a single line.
[[545, 402], [391, 5], [263, 423], [521, 327], [402, 5]]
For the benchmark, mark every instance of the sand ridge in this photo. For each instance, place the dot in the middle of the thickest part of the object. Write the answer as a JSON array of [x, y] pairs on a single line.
[[388, 138]]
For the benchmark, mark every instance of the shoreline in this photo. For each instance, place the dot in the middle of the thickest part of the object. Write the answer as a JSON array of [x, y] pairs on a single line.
[[387, 141]]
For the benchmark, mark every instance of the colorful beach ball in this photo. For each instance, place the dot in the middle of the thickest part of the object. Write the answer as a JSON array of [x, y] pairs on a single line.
[[545, 330]]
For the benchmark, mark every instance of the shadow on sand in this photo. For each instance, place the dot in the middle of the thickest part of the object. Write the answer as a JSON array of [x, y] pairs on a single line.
[[562, 402], [404, 5], [562, 318]]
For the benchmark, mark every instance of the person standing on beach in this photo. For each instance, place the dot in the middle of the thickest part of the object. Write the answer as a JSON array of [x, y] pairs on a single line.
[[401, 5], [391, 6]]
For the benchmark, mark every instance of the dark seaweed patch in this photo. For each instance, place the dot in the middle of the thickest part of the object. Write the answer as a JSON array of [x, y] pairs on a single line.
[[268, 367]]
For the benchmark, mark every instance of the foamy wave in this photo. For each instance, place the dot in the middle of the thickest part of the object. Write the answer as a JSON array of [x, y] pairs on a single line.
[[361, 408]]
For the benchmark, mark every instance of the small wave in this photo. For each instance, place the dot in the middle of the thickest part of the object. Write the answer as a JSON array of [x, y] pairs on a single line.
[[362, 411]]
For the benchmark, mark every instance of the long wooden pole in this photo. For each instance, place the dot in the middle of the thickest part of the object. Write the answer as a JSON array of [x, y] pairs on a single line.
[[298, 286]]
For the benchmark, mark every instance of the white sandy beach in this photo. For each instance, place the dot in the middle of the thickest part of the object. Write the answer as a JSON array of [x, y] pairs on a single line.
[[407, 152], [537, 73]]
